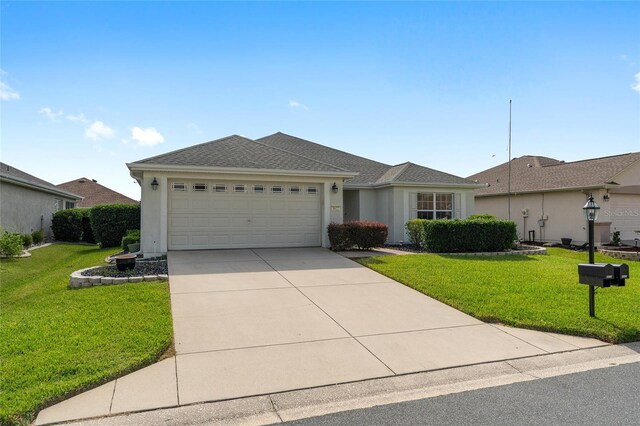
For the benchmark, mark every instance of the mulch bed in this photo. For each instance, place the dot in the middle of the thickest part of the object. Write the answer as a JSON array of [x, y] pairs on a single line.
[[142, 268]]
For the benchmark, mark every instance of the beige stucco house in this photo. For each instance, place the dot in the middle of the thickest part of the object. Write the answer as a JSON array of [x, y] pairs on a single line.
[[547, 196], [27, 203], [282, 191]]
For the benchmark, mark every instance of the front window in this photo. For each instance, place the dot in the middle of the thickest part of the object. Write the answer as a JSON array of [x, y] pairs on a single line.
[[69, 205], [435, 206]]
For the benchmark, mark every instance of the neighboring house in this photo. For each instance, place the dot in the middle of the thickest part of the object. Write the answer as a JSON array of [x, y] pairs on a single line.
[[547, 196], [94, 193], [27, 203], [282, 191]]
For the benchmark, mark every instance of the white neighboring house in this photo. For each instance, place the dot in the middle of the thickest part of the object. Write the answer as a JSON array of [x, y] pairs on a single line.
[[547, 196], [27, 203], [282, 191]]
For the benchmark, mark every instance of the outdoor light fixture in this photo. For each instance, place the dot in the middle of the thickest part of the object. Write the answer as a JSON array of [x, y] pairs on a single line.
[[591, 211], [154, 184], [334, 188], [605, 197]]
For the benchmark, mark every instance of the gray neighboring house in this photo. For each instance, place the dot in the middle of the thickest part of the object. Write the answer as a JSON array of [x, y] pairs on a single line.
[[27, 203], [282, 191]]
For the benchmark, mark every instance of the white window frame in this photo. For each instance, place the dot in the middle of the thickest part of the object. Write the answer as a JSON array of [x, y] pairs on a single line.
[[69, 205], [279, 190], [57, 204], [294, 190], [200, 187], [239, 187], [435, 211], [312, 190], [179, 187], [219, 187], [262, 189]]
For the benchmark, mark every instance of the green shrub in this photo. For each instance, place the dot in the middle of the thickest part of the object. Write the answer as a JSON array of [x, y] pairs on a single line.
[[615, 238], [37, 236], [415, 231], [67, 225], [10, 243], [362, 234], [110, 222], [468, 235], [87, 231], [27, 240], [482, 216], [131, 237]]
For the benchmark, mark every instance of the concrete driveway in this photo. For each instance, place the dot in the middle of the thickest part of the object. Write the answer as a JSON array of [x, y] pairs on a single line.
[[254, 322]]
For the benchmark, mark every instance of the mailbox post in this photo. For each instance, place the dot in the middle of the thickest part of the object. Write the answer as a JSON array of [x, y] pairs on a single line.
[[591, 211]]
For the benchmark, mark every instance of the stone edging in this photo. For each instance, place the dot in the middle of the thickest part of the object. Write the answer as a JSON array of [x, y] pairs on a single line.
[[624, 255], [529, 250], [78, 280]]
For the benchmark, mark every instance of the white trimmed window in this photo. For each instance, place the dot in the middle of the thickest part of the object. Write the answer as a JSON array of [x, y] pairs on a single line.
[[434, 205], [69, 205], [258, 188], [294, 190], [57, 204], [219, 187], [277, 189], [178, 186], [199, 187], [239, 187], [312, 190]]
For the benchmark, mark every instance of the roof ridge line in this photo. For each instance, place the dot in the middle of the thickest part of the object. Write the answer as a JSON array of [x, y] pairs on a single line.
[[193, 146], [301, 156], [561, 163], [325, 147]]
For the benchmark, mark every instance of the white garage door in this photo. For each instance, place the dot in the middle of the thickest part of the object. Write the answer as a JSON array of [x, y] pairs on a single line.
[[625, 216], [215, 214]]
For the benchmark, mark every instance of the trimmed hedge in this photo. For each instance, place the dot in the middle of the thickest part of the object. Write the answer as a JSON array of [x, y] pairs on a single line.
[[482, 216], [415, 231], [110, 222], [10, 243], [67, 225], [37, 236], [131, 237], [465, 236], [87, 231], [362, 234]]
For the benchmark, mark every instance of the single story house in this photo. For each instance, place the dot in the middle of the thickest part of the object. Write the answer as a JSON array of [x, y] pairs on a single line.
[[93, 193], [282, 191], [28, 202], [547, 196]]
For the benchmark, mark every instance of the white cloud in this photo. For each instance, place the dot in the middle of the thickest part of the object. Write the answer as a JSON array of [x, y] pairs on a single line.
[[51, 114], [297, 105], [99, 130], [146, 137], [80, 118], [7, 93], [636, 85]]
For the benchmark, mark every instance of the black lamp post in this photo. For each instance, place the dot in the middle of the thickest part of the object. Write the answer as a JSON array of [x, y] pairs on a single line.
[[591, 212]]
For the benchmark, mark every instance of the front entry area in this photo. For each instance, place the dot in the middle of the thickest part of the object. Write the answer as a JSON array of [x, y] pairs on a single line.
[[208, 214]]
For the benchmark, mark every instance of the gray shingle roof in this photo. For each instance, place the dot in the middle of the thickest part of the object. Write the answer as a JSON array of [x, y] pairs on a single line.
[[533, 173], [239, 152], [370, 172], [94, 193], [13, 174], [284, 152]]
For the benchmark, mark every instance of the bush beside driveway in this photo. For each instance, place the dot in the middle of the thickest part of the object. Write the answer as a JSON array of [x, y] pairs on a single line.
[[57, 342], [536, 292]]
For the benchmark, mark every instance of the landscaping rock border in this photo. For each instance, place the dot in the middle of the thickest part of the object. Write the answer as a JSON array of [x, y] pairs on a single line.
[[78, 280], [624, 255], [527, 251]]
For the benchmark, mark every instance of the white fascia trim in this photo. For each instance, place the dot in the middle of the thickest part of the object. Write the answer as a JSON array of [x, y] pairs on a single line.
[[25, 184], [581, 189], [420, 185], [235, 170]]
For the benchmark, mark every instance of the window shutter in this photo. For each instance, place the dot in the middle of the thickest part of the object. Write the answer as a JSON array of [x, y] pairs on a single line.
[[413, 205], [456, 206]]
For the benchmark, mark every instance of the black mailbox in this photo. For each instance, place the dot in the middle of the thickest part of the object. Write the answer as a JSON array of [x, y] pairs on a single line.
[[596, 274], [620, 273]]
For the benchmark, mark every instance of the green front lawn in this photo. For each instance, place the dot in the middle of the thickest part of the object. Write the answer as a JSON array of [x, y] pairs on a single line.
[[55, 342], [537, 292]]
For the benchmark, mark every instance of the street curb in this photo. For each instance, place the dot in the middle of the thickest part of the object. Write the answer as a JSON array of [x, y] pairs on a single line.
[[294, 405]]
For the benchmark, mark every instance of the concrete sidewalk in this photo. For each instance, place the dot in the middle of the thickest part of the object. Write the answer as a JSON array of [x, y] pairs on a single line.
[[266, 321]]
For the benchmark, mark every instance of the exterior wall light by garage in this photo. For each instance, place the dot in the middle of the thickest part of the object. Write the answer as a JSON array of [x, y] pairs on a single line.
[[154, 184], [334, 188]]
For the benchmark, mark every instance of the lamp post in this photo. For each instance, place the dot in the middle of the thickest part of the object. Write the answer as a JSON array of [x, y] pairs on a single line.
[[591, 212]]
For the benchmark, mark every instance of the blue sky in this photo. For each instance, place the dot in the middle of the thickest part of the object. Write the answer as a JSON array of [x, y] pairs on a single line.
[[87, 87]]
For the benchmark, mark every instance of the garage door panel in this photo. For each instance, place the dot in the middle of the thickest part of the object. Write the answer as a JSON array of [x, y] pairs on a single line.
[[200, 220]]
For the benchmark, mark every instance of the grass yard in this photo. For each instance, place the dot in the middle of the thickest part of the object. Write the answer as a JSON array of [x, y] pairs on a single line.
[[55, 342], [537, 292]]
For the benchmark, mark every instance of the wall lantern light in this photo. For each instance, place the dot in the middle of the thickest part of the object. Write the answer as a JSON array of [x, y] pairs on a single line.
[[334, 188], [154, 184], [605, 197]]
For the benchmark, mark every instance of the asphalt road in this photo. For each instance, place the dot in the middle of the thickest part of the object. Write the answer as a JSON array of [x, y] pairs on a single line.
[[609, 396]]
